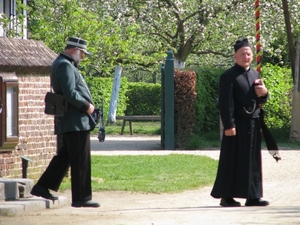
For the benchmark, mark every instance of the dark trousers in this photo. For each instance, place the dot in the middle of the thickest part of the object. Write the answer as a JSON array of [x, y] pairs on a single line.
[[73, 149]]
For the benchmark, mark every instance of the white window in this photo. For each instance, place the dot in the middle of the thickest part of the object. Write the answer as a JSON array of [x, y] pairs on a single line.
[[11, 111], [8, 10], [9, 117]]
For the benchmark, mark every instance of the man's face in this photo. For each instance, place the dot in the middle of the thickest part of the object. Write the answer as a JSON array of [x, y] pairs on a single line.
[[243, 57], [77, 55]]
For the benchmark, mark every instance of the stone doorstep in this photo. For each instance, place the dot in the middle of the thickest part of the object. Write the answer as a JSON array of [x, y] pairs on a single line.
[[15, 197], [15, 188], [18, 207]]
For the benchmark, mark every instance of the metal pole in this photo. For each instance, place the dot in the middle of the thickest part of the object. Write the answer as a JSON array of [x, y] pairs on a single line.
[[257, 36]]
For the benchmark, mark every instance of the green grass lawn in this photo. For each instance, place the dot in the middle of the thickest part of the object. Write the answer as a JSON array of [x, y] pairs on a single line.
[[161, 174], [145, 127], [205, 140], [150, 174]]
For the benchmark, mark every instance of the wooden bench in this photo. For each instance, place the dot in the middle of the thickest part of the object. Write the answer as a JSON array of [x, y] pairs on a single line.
[[136, 118]]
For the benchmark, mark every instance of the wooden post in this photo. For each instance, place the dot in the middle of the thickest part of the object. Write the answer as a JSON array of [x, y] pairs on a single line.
[[169, 102], [112, 112], [162, 123]]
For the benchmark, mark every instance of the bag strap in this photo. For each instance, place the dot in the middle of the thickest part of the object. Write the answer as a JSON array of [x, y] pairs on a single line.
[[51, 88]]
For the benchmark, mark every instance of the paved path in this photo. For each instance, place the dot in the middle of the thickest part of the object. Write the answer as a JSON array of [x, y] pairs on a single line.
[[126, 143], [281, 188]]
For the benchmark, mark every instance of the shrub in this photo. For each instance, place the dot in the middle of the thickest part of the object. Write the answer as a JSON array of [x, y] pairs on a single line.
[[185, 106], [143, 99], [279, 82], [139, 98], [101, 89], [207, 112]]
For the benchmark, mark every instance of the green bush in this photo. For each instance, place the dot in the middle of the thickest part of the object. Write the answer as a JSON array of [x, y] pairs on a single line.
[[278, 109], [139, 98], [207, 112], [143, 99], [101, 89], [278, 80]]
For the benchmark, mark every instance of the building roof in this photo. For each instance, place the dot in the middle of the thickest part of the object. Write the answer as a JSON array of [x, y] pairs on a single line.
[[25, 56]]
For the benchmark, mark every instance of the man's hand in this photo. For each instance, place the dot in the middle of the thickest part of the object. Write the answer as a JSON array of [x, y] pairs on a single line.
[[230, 132], [260, 88], [91, 109]]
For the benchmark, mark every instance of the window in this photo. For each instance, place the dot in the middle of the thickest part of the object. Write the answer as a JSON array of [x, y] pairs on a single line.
[[9, 121], [9, 9]]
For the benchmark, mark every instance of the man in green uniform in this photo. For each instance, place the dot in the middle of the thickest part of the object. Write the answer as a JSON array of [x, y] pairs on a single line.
[[73, 129]]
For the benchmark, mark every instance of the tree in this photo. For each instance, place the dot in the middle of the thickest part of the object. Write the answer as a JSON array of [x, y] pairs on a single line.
[[110, 43], [135, 32], [54, 31], [204, 27], [294, 57]]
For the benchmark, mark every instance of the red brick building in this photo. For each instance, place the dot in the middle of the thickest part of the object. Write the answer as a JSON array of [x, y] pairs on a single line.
[[25, 130]]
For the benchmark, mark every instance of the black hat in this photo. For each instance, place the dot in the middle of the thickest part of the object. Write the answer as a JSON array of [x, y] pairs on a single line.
[[241, 43], [78, 43]]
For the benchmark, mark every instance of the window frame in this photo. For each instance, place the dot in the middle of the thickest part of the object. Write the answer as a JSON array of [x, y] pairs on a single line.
[[9, 142]]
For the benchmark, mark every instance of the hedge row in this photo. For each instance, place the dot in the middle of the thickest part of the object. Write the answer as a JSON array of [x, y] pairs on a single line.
[[278, 80], [145, 98], [134, 98], [101, 89]]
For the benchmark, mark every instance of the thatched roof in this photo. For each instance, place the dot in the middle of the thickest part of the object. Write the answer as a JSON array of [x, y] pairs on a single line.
[[25, 56]]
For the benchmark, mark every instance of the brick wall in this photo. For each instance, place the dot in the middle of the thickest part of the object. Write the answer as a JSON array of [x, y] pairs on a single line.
[[36, 130]]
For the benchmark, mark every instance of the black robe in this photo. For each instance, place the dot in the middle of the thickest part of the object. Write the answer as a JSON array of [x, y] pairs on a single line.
[[240, 170]]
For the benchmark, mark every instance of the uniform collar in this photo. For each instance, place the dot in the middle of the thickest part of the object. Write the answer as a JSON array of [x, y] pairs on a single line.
[[68, 57], [242, 68]]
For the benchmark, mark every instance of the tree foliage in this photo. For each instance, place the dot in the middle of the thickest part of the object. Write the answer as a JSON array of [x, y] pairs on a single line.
[[208, 27], [109, 42], [138, 33], [280, 87]]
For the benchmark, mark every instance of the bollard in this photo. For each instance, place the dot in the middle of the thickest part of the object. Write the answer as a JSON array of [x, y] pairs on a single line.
[[25, 161]]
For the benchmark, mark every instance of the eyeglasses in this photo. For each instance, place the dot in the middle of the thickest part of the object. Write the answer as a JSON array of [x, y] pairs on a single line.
[[81, 50]]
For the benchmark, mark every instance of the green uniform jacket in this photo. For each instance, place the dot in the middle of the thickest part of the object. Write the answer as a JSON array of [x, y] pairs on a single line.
[[67, 81]]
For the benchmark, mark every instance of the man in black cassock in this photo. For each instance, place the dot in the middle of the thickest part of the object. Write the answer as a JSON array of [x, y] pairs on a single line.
[[241, 91]]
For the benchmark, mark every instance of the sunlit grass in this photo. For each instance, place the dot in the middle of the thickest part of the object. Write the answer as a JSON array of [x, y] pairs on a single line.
[[151, 173], [168, 173]]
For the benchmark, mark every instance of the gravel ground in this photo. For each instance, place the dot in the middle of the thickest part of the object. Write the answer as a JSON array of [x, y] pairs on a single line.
[[281, 188]]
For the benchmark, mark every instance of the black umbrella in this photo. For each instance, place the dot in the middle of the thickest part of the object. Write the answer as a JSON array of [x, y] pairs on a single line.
[[269, 139]]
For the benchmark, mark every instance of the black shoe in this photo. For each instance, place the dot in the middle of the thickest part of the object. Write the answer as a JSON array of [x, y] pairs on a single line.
[[40, 191], [85, 204], [229, 202], [256, 202]]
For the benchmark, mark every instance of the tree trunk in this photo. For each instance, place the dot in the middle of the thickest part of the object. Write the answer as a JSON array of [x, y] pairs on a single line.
[[295, 123], [114, 96], [288, 27], [178, 64]]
